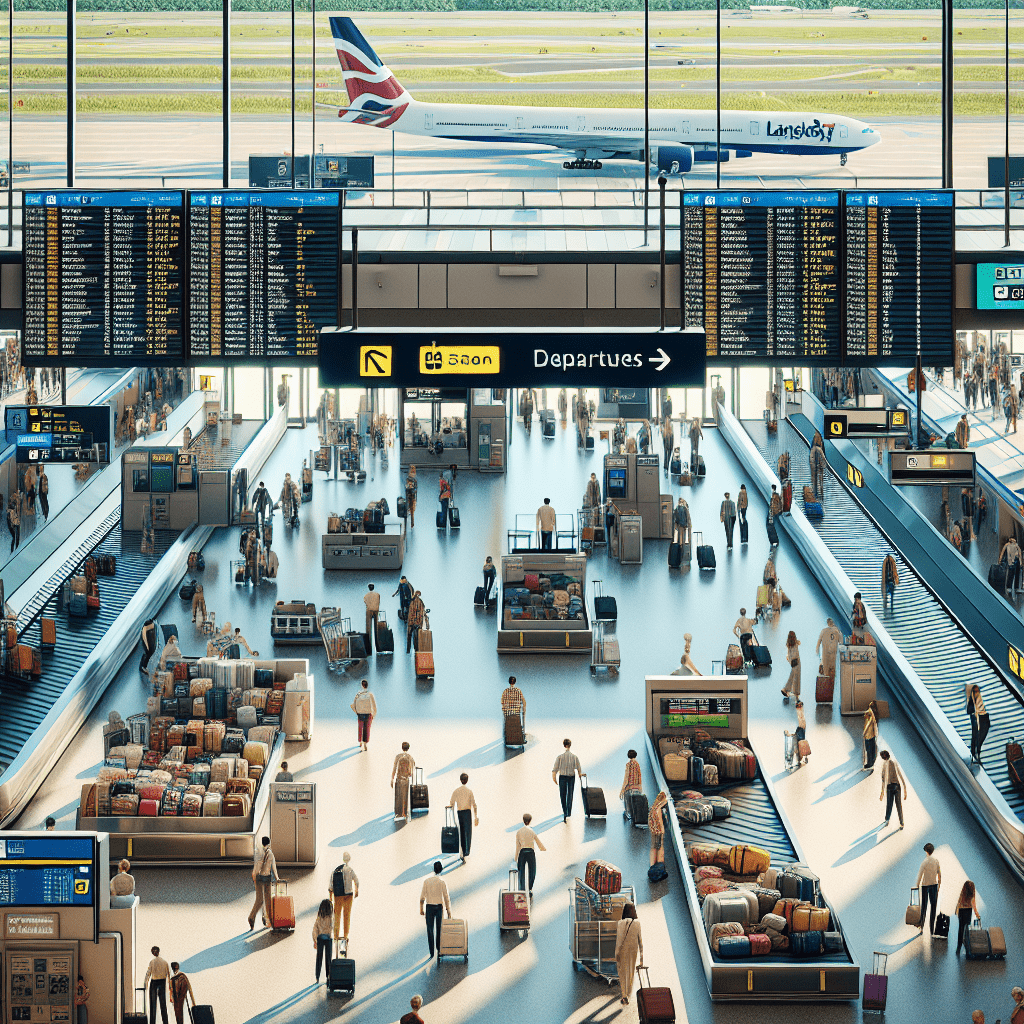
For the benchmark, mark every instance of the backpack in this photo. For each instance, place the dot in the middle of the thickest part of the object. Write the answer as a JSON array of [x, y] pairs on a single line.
[[338, 881]]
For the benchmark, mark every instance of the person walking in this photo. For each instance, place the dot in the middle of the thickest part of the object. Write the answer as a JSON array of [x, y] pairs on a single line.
[[744, 630], [262, 503], [264, 874], [962, 433], [546, 524], [742, 504], [727, 515], [411, 490], [322, 940], [14, 520], [793, 660], [122, 884], [565, 765], [966, 904], [44, 493], [681, 526], [892, 781], [414, 620], [413, 1016], [464, 804], [696, 436], [344, 888], [980, 723], [774, 511], [444, 496], [157, 975], [629, 947], [401, 778], [668, 441], [147, 641], [592, 496], [199, 604], [284, 775], [870, 735], [656, 826], [827, 647], [433, 899], [799, 736], [181, 992], [490, 575], [527, 844], [563, 405], [365, 708], [1012, 553], [859, 614], [404, 594], [981, 511], [890, 581], [372, 601], [929, 878], [528, 410], [632, 782]]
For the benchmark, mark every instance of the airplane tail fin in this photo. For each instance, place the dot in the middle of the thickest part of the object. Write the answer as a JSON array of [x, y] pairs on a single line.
[[375, 96]]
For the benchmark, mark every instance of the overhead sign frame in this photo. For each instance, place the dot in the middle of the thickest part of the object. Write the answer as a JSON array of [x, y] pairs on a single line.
[[947, 467], [865, 423]]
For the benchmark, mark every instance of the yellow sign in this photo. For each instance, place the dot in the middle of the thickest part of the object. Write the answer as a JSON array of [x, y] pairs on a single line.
[[836, 427], [375, 361], [460, 359], [854, 476], [940, 462], [205, 382], [1016, 660], [899, 418]]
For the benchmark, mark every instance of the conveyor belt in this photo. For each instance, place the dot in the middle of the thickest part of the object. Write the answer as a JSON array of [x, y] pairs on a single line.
[[212, 453], [940, 652], [753, 820], [24, 703]]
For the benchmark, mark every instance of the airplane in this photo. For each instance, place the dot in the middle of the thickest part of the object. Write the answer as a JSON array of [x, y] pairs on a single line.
[[678, 138]]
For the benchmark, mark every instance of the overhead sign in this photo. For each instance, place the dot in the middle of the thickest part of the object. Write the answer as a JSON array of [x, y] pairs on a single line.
[[854, 476], [60, 433], [1000, 286], [516, 358], [944, 466], [840, 423]]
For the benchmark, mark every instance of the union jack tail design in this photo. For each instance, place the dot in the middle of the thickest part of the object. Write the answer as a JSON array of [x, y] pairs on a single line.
[[375, 96]]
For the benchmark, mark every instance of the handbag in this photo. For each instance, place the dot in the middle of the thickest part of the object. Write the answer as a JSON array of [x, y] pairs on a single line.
[[803, 748]]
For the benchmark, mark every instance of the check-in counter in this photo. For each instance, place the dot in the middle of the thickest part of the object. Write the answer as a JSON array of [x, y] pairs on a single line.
[[365, 552]]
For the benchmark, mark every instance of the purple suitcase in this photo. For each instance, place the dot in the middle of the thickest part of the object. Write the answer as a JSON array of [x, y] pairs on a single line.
[[876, 985]]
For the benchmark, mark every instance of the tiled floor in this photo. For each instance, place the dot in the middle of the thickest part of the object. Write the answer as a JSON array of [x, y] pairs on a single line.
[[453, 724]]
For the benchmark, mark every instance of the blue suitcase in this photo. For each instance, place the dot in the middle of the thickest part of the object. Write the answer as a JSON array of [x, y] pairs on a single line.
[[341, 975], [807, 943], [814, 510]]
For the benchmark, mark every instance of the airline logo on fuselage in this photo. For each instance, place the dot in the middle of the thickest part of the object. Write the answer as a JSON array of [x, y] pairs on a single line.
[[814, 130]]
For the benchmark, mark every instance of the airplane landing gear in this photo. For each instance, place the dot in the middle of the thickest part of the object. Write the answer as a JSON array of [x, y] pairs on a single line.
[[582, 165], [842, 159]]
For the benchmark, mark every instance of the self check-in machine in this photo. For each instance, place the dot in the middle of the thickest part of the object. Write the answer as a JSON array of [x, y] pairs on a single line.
[[58, 923]]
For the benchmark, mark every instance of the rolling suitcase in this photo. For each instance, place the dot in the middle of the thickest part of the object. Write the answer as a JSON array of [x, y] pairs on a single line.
[[787, 495], [655, 1005], [760, 656], [687, 553], [478, 597], [424, 664], [449, 832], [705, 554], [515, 734], [744, 531], [913, 914], [513, 905], [419, 797], [824, 689], [941, 930], [773, 533], [676, 465], [593, 799], [605, 607], [202, 1014], [282, 908], [675, 556], [440, 520], [701, 468], [454, 519], [978, 943], [639, 810], [385, 637], [997, 943], [876, 984], [138, 1016], [454, 939], [341, 974], [1015, 764], [997, 576]]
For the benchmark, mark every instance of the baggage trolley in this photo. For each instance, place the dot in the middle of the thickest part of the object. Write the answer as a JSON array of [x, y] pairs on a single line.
[[209, 625], [592, 930], [605, 653], [334, 632], [591, 529]]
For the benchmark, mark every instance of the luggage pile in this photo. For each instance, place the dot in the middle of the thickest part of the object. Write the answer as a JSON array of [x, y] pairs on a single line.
[[531, 595], [686, 759], [201, 749], [752, 909]]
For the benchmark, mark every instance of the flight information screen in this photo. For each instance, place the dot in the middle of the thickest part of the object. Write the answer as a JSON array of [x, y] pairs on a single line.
[[683, 712], [761, 274], [103, 278], [46, 872], [263, 273], [899, 278]]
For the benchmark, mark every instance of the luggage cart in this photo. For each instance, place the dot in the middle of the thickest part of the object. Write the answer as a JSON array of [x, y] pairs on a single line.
[[592, 929], [605, 653], [334, 631], [591, 529]]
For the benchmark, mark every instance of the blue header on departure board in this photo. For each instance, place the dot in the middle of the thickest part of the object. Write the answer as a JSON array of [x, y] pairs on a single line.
[[104, 199], [899, 198], [46, 848], [770, 199], [271, 197]]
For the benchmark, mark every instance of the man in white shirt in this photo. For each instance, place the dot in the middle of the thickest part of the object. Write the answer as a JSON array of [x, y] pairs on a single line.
[[433, 895], [929, 878], [157, 974], [264, 874], [565, 765], [464, 804], [401, 778], [527, 842], [892, 779], [546, 524], [365, 707], [372, 601]]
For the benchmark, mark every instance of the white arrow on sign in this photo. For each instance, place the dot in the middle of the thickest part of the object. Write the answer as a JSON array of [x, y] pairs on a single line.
[[665, 359]]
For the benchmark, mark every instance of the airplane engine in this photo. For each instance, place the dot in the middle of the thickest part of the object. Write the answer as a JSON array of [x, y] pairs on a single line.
[[673, 159]]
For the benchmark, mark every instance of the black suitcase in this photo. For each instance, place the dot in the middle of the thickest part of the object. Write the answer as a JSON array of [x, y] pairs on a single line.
[[604, 606], [997, 576], [549, 427], [454, 519], [449, 833], [478, 597], [675, 556], [202, 1015], [705, 554], [941, 926], [441, 524], [773, 534], [419, 798], [385, 639], [760, 656], [341, 974], [401, 508], [593, 799], [701, 468], [515, 734], [590, 443], [639, 810], [137, 1017], [744, 531], [676, 465], [170, 630]]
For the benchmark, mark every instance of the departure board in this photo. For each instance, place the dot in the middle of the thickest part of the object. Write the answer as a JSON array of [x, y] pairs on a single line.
[[47, 872], [103, 278], [899, 278], [761, 274], [263, 274]]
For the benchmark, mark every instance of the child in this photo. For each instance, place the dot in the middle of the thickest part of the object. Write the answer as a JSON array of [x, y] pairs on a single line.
[[801, 733]]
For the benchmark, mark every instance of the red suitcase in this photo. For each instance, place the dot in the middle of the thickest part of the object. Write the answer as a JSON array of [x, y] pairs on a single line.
[[424, 664], [824, 689], [603, 878], [282, 908], [655, 1004], [514, 905], [787, 495]]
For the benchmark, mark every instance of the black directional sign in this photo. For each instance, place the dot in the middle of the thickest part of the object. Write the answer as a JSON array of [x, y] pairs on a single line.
[[945, 466], [866, 423], [475, 358]]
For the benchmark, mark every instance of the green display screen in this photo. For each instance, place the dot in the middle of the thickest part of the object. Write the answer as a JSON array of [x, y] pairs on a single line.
[[686, 721]]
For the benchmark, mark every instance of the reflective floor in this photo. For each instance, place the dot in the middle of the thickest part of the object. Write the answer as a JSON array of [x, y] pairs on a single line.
[[453, 724]]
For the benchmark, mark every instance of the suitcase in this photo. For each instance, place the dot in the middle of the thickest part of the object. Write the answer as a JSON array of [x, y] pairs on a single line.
[[787, 495], [997, 943], [734, 946], [424, 664], [341, 974], [807, 944], [593, 799], [385, 638], [997, 576], [548, 427], [439, 518], [978, 945], [138, 1016], [814, 510], [705, 554], [824, 689], [424, 640], [639, 809], [676, 465], [605, 607], [941, 926], [513, 905], [654, 1005], [744, 531], [675, 556], [1015, 764], [876, 984], [282, 908], [478, 597], [604, 878], [701, 468], [454, 939], [419, 797], [449, 832], [760, 656], [515, 734], [202, 1014], [454, 519], [913, 914], [773, 534], [48, 631], [763, 596], [589, 443]]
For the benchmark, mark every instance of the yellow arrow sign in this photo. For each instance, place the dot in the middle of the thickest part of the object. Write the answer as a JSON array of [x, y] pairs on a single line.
[[375, 361], [460, 359]]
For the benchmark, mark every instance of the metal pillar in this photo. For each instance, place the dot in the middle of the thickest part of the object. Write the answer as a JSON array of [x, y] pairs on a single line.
[[225, 93], [647, 111], [662, 182], [72, 87], [10, 122], [947, 93], [355, 278], [1006, 127], [294, 158]]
